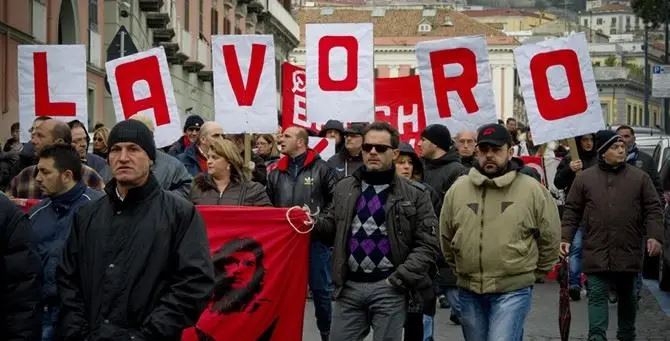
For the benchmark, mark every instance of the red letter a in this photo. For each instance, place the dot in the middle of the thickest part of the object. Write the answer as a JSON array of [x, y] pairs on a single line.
[[245, 95], [148, 70], [462, 84], [43, 105]]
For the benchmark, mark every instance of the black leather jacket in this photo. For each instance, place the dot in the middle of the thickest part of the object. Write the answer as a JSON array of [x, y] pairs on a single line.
[[307, 179]]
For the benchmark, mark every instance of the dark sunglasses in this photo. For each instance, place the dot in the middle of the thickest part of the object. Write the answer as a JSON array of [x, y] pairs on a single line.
[[380, 148]]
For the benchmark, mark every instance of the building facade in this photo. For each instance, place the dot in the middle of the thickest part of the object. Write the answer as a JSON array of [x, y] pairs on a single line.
[[614, 18], [184, 28], [510, 20], [399, 29]]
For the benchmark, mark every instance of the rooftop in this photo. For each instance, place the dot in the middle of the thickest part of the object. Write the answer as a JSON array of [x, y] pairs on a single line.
[[612, 8], [399, 26], [502, 12]]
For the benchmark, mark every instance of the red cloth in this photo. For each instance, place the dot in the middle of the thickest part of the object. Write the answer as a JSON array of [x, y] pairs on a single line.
[[187, 141], [276, 312], [202, 161]]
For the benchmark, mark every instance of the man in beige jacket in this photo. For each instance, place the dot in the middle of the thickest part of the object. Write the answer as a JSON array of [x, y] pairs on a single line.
[[500, 231]]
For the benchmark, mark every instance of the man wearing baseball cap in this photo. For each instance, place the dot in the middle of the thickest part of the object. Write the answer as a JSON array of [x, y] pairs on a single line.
[[350, 158], [508, 228], [191, 131], [137, 261]]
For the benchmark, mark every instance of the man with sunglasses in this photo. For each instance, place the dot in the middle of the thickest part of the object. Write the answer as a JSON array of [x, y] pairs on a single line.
[[499, 230], [382, 228], [191, 131]]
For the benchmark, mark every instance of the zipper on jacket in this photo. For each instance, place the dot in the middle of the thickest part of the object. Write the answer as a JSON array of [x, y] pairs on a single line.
[[481, 243]]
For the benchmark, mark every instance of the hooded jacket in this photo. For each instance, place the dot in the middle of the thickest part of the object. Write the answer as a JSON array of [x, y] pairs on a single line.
[[500, 234], [307, 179], [564, 175], [406, 149], [441, 173], [20, 276], [138, 268]]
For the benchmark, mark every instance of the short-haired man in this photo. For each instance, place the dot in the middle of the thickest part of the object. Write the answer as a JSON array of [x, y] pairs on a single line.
[[303, 178], [512, 127], [465, 145], [382, 228], [137, 263], [350, 158], [20, 276], [191, 131], [59, 176], [499, 232], [81, 141], [619, 206], [50, 132], [639, 158], [194, 157]]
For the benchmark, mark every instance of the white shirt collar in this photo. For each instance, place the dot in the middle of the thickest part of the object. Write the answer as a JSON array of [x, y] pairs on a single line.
[[121, 197]]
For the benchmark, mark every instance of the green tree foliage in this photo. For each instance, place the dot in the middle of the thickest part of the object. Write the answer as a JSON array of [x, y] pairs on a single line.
[[651, 11], [611, 61]]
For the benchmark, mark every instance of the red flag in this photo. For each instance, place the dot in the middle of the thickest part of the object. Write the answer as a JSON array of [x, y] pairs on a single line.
[[261, 275]]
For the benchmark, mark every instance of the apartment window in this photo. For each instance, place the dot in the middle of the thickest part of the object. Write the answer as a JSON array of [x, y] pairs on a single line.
[[586, 22], [90, 99], [424, 28], [226, 23], [215, 22], [612, 23], [93, 15], [612, 30], [201, 17], [627, 21], [187, 15], [599, 21]]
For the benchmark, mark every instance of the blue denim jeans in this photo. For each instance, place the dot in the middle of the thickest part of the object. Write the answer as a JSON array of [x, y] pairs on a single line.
[[49, 320], [320, 270], [494, 317], [575, 258], [428, 322], [454, 300]]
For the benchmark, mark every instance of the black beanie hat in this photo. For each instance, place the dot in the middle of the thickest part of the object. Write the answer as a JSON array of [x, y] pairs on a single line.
[[439, 135], [605, 139], [193, 121], [135, 132]]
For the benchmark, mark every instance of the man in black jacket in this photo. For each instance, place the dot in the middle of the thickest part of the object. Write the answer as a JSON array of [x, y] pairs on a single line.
[[350, 158], [137, 263], [640, 159], [383, 231], [303, 178], [20, 277]]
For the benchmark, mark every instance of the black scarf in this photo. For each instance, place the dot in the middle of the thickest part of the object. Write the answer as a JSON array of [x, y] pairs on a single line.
[[379, 177]]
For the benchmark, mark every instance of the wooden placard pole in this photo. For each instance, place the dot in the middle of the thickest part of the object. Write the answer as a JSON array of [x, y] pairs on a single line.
[[574, 153], [247, 148]]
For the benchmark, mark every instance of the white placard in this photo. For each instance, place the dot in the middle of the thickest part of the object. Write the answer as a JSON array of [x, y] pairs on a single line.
[[324, 146], [51, 82], [340, 76], [559, 88], [245, 90], [456, 82], [140, 84]]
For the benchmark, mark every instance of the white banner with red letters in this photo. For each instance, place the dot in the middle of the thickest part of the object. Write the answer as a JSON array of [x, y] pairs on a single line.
[[51, 82], [325, 147], [245, 98], [456, 82], [141, 84], [559, 88], [340, 72]]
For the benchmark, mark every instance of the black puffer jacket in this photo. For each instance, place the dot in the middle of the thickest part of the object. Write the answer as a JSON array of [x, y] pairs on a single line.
[[20, 277], [564, 175], [306, 180], [134, 269], [441, 173], [645, 162]]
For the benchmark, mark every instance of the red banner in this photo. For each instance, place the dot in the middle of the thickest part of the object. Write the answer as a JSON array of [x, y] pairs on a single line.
[[261, 275], [397, 101], [536, 163]]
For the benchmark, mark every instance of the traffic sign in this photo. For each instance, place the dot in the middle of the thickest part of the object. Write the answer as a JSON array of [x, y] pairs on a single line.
[[122, 45]]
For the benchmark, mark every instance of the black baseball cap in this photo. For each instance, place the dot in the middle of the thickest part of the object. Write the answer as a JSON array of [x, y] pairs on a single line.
[[355, 128], [494, 134]]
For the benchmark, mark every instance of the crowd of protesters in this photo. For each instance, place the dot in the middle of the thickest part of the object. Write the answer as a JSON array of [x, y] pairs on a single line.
[[115, 249]]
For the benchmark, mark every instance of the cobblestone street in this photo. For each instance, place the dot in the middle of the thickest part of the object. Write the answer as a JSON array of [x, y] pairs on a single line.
[[653, 323]]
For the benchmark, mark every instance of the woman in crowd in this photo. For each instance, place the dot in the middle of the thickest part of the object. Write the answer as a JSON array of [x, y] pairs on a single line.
[[227, 181], [100, 142], [266, 147]]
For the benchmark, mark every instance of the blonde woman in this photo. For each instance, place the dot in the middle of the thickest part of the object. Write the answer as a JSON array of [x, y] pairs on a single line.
[[266, 148], [227, 180], [100, 137]]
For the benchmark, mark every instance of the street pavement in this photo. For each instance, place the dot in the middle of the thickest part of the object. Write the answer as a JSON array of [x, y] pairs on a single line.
[[542, 324]]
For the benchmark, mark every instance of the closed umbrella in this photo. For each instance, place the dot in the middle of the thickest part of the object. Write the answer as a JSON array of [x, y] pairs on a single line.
[[564, 315]]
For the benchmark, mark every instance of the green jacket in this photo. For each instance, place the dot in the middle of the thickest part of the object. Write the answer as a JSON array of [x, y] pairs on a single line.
[[499, 234]]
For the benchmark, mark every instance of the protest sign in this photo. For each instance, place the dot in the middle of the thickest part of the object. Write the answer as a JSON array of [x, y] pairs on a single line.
[[325, 147]]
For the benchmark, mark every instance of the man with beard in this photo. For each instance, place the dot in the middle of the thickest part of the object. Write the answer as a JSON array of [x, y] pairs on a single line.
[[59, 176], [565, 174], [465, 145], [616, 205], [638, 158], [350, 158], [499, 230], [382, 228], [136, 264], [303, 178]]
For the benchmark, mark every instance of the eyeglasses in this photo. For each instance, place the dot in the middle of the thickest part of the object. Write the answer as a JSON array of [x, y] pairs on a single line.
[[380, 148], [98, 139]]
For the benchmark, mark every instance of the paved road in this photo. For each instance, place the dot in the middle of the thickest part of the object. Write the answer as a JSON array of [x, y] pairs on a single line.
[[542, 325]]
